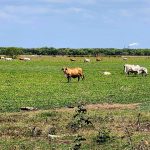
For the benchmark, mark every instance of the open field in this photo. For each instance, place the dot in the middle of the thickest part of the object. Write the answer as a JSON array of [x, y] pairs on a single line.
[[117, 105], [40, 83]]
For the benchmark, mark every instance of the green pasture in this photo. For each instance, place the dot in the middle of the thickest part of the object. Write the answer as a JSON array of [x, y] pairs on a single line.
[[40, 83]]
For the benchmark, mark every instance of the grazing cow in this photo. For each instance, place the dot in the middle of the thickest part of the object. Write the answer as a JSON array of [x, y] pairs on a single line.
[[131, 69], [2, 57], [125, 58], [106, 73], [136, 69], [73, 73], [21, 58], [25, 59], [9, 59], [98, 59], [72, 59], [86, 60]]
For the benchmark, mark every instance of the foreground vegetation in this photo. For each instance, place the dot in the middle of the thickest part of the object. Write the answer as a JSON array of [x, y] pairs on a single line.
[[108, 128]]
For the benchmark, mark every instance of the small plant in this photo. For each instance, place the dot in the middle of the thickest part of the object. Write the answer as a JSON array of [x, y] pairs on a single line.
[[79, 119], [35, 132], [77, 142], [79, 138], [81, 109], [103, 136], [138, 124], [77, 146]]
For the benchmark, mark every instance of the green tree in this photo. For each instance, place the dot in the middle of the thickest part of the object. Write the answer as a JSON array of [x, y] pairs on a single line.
[[13, 52]]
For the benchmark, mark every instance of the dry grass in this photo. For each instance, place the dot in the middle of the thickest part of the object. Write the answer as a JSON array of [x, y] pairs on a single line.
[[116, 117]]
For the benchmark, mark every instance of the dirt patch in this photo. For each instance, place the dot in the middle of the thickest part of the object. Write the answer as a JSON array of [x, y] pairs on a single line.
[[112, 106], [104, 106]]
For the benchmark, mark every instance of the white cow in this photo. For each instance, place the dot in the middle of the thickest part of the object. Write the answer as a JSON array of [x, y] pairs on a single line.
[[136, 69], [2, 57], [106, 73], [27, 59], [125, 58], [9, 59], [86, 60], [131, 68]]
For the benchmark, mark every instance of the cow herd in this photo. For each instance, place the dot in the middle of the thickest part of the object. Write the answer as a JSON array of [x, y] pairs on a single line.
[[128, 69], [86, 59], [10, 59]]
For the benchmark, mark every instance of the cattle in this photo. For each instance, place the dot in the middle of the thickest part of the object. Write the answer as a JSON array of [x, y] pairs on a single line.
[[98, 59], [72, 59], [106, 73], [25, 59], [8, 59], [86, 60], [73, 73], [128, 68], [2, 57], [136, 69], [21, 58], [125, 58]]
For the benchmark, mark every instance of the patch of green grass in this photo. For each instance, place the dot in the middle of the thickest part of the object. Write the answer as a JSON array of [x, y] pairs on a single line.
[[40, 83]]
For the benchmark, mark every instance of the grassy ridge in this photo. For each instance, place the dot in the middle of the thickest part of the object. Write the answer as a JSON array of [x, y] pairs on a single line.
[[41, 83]]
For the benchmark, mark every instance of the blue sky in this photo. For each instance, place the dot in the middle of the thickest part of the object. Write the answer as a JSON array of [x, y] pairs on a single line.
[[75, 23]]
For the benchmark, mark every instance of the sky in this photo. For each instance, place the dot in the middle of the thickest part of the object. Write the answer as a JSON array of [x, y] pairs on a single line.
[[75, 23]]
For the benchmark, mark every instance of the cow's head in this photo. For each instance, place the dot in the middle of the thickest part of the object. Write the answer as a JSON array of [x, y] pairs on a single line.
[[64, 69], [144, 71]]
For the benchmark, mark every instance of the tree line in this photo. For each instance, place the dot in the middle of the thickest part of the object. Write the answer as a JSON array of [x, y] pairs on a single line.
[[15, 51]]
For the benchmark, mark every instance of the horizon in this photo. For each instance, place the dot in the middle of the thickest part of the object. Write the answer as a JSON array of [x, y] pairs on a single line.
[[74, 48]]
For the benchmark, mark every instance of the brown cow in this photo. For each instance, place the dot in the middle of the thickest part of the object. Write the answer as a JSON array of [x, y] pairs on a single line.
[[72, 59], [73, 73], [98, 59], [21, 58]]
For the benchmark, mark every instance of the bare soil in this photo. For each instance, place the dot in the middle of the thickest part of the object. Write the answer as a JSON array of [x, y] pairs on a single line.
[[104, 106]]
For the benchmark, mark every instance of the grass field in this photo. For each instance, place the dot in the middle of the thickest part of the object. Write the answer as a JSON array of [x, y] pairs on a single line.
[[40, 83]]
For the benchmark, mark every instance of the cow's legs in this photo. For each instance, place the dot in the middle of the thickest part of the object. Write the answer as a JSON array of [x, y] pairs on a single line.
[[78, 78], [69, 79], [83, 77]]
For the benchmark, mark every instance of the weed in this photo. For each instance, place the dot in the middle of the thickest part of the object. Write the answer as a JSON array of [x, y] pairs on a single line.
[[103, 136]]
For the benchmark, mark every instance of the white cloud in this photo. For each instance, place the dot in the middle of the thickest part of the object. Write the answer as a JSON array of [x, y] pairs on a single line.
[[133, 44], [107, 10], [25, 14]]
